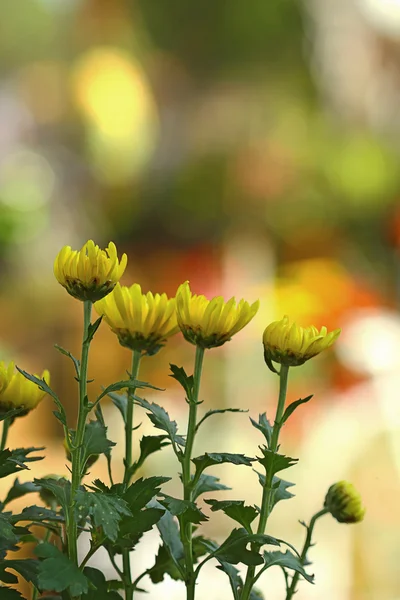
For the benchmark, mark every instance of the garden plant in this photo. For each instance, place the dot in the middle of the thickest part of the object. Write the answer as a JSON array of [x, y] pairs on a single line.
[[116, 514]]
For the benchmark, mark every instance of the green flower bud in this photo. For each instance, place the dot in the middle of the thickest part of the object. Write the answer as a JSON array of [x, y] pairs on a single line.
[[344, 503]]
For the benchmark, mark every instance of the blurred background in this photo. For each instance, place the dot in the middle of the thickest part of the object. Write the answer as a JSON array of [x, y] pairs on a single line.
[[252, 148]]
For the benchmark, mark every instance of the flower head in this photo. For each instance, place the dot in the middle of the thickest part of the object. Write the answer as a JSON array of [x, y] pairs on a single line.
[[211, 323], [141, 322], [90, 273], [18, 392], [344, 503], [290, 344]]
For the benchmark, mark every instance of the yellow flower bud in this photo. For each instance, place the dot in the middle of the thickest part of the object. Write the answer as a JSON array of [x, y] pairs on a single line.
[[18, 392], [292, 345], [142, 322], [344, 503], [211, 323], [90, 273]]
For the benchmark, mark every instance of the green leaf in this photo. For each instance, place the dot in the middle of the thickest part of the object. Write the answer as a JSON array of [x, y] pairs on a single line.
[[142, 491], [107, 453], [186, 381], [164, 565], [280, 487], [92, 328], [236, 510], [209, 460], [272, 461], [160, 419], [77, 364], [13, 461], [10, 414], [20, 489], [169, 533], [102, 591], [286, 560], [234, 578], [10, 594], [95, 440], [149, 444], [106, 510], [120, 401], [178, 508], [7, 532], [60, 488], [264, 426], [27, 568], [234, 549], [132, 528], [36, 514], [292, 407], [207, 483], [57, 573], [219, 411]]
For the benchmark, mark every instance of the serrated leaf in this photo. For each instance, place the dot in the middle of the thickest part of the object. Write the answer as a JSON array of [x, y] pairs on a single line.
[[149, 444], [234, 578], [60, 488], [57, 573], [234, 549], [7, 532], [13, 461], [280, 487], [120, 401], [36, 514], [132, 528], [10, 414], [236, 510], [142, 491], [286, 560], [27, 568], [128, 384], [218, 411], [76, 362], [186, 381], [274, 462], [210, 459], [292, 407], [18, 490], [95, 440], [106, 510], [178, 508], [92, 328], [160, 419], [169, 533], [42, 385], [107, 453], [102, 591], [264, 426], [207, 483], [164, 565]]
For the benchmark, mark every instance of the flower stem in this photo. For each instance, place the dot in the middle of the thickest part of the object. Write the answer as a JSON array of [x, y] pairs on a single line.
[[307, 543], [267, 497], [76, 450], [186, 529], [126, 565], [6, 426]]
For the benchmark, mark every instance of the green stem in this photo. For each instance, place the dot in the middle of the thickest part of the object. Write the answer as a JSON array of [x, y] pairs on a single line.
[[136, 358], [307, 543], [267, 497], [76, 450], [6, 426], [186, 529]]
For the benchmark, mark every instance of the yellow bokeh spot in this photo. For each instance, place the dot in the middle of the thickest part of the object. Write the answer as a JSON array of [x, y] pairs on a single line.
[[111, 91]]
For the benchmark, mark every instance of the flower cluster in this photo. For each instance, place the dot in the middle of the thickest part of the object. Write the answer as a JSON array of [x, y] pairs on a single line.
[[17, 392]]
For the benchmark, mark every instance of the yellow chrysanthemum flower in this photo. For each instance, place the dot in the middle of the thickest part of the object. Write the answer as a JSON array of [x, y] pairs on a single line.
[[344, 503], [90, 273], [18, 392], [211, 323], [291, 345], [142, 322]]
